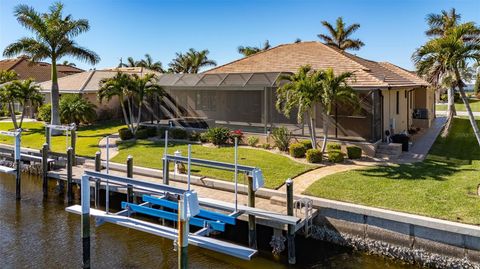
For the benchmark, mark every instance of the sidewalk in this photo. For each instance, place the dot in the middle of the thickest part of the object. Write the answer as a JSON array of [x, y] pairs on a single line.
[[112, 146]]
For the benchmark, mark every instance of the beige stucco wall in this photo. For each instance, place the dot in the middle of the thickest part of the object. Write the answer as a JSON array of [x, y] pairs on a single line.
[[403, 118]]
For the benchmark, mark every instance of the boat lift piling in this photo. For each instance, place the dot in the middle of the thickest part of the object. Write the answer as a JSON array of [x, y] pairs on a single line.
[[130, 197], [70, 161], [98, 168], [291, 228], [45, 168]]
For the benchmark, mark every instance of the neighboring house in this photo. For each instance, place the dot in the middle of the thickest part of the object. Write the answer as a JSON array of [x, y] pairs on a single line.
[[87, 83], [39, 71], [242, 94]]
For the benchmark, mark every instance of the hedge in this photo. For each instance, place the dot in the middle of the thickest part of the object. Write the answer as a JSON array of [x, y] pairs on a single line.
[[334, 146], [335, 156], [297, 150], [307, 144], [314, 156], [125, 134], [354, 152]]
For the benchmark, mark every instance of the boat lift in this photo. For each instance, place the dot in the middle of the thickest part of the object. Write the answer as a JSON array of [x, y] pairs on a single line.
[[69, 132], [17, 134]]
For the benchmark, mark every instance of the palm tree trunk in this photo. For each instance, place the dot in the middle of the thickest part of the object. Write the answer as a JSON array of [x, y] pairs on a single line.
[[22, 115], [124, 112], [130, 116], [476, 131], [12, 114], [139, 114], [313, 135], [326, 124], [55, 98], [451, 112]]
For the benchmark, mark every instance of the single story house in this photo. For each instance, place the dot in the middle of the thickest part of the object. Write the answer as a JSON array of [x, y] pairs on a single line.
[[242, 94]]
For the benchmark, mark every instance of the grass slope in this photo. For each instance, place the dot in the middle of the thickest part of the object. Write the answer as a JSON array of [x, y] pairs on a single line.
[[474, 104], [443, 186], [88, 137], [276, 168]]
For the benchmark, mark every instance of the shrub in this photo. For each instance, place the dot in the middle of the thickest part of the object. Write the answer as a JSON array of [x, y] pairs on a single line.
[[335, 156], [178, 133], [195, 136], [151, 131], [142, 133], [76, 109], [354, 152], [45, 112], [265, 146], [314, 156], [125, 134], [281, 138], [252, 141], [218, 135], [238, 134], [204, 137], [334, 146], [297, 150], [161, 132], [307, 144]]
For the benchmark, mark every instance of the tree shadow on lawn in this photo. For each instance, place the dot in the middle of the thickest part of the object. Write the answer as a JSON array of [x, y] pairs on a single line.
[[428, 169]]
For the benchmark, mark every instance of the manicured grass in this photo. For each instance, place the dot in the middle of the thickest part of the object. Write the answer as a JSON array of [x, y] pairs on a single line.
[[276, 168], [474, 104], [443, 186], [88, 137]]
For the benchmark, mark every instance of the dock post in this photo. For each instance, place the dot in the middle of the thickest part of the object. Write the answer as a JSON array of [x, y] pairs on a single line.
[[73, 142], [98, 168], [291, 228], [166, 168], [47, 136], [18, 165], [252, 226], [85, 219], [182, 241], [45, 169], [70, 157], [129, 175]]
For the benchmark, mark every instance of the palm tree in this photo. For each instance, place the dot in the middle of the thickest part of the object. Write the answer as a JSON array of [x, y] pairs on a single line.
[[67, 63], [301, 91], [130, 63], [338, 36], [132, 90], [452, 52], [191, 61], [23, 92], [150, 64], [439, 24], [53, 40], [7, 75], [335, 90], [247, 51], [76, 109]]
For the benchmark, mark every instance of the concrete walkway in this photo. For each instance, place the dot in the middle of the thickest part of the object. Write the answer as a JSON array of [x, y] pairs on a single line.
[[422, 145], [112, 146]]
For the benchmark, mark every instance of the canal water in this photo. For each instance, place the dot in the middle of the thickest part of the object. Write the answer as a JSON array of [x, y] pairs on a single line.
[[38, 233]]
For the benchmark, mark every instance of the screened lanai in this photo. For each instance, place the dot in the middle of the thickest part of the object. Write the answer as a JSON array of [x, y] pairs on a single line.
[[246, 101]]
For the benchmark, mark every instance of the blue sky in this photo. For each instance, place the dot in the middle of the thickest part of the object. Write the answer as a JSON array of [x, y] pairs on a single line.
[[390, 29]]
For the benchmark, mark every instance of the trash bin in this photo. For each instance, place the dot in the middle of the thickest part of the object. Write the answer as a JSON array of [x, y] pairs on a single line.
[[401, 139]]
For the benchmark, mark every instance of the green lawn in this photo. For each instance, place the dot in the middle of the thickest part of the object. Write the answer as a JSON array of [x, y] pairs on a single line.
[[443, 186], [474, 104], [88, 137], [276, 168]]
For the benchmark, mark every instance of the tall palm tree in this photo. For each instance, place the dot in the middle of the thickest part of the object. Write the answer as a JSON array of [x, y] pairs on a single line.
[[439, 24], [53, 40], [247, 51], [335, 90], [339, 35], [301, 91], [452, 52], [130, 63], [150, 64], [23, 92], [191, 61]]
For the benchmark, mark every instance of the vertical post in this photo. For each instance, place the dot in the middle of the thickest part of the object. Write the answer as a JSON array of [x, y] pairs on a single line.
[[182, 235], [188, 165], [45, 169], [85, 219], [47, 136], [73, 142], [98, 168], [291, 228], [18, 165], [69, 174], [107, 189], [129, 175], [236, 174], [165, 161], [252, 227]]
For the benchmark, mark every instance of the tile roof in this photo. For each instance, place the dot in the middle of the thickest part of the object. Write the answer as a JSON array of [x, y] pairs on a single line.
[[89, 81], [289, 57], [38, 71]]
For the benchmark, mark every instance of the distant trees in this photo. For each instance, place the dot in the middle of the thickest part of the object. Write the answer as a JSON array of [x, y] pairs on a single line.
[[191, 61], [247, 51], [67, 63], [339, 35], [147, 62], [53, 39]]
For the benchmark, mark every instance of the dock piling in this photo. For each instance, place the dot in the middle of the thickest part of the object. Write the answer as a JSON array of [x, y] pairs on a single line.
[[130, 175], [291, 228], [98, 161], [73, 140], [45, 169], [182, 235], [70, 158], [18, 166], [98, 168], [252, 227], [85, 225], [47, 137]]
